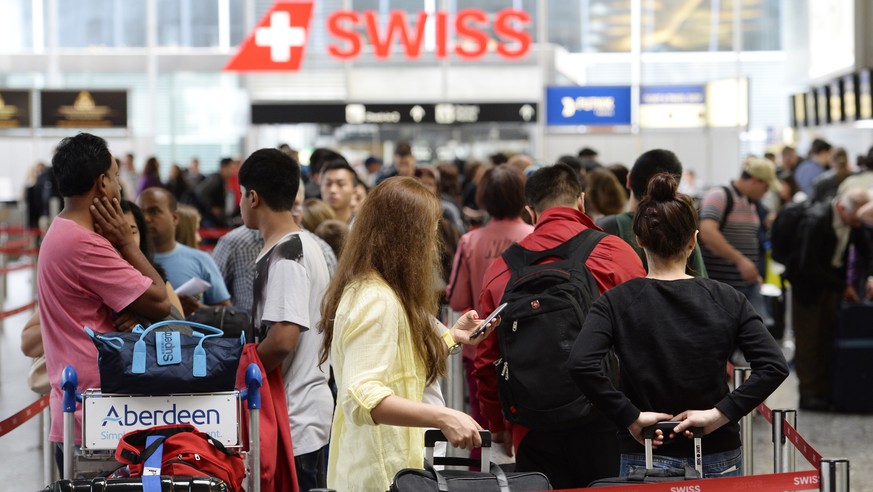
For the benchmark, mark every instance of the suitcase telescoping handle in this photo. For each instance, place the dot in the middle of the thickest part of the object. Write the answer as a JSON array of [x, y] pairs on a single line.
[[433, 436], [667, 427]]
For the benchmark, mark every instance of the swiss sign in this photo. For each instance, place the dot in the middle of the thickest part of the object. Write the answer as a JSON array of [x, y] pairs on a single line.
[[279, 40]]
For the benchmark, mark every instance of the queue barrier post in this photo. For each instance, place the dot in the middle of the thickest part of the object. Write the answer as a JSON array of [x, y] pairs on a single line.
[[790, 456], [783, 450], [834, 475], [741, 374]]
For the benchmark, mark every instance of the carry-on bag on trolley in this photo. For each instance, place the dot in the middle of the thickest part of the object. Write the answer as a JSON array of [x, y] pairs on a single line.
[[495, 479], [650, 474], [208, 452]]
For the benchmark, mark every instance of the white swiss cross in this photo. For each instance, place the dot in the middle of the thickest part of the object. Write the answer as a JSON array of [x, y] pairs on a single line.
[[280, 36]]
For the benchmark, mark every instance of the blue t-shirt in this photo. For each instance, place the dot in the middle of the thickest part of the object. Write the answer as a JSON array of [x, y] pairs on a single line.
[[184, 263]]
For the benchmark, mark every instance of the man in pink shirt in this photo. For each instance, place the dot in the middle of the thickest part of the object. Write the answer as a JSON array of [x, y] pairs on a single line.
[[90, 268]]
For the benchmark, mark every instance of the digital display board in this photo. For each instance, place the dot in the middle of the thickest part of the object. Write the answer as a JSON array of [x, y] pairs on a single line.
[[865, 101], [673, 106], [835, 102], [850, 99]]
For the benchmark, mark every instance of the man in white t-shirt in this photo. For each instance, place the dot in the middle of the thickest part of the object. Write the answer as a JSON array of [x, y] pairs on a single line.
[[290, 279]]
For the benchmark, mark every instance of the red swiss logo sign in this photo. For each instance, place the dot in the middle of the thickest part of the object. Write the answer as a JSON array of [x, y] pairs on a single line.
[[279, 41]]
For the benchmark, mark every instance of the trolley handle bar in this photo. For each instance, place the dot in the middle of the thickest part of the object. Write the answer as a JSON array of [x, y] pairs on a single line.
[[667, 427]]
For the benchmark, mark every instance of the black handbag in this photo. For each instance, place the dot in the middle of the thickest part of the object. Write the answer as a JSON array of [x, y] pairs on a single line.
[[232, 321], [152, 362]]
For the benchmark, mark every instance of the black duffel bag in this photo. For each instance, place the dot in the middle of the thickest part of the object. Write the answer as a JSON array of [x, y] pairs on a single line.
[[154, 362], [496, 479]]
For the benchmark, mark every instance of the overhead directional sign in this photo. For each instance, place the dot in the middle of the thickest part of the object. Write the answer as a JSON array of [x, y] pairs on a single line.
[[360, 113]]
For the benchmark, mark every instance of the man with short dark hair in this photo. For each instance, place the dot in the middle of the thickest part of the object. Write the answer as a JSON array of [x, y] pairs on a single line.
[[338, 180], [588, 156], [317, 160], [211, 194], [576, 456], [182, 263], [404, 162], [90, 268], [815, 164], [645, 168], [290, 280]]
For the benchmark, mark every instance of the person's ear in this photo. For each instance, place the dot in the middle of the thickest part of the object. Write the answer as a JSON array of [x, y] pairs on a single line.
[[101, 185], [693, 242], [254, 198], [637, 239], [580, 202], [533, 214], [627, 183]]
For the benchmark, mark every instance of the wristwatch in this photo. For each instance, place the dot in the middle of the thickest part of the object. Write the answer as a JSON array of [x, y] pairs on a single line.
[[453, 346]]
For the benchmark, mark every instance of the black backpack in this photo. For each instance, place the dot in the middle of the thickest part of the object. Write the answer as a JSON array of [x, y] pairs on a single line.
[[784, 231], [547, 304]]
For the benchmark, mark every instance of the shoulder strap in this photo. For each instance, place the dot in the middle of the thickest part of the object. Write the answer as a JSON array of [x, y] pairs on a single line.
[[578, 248], [728, 206]]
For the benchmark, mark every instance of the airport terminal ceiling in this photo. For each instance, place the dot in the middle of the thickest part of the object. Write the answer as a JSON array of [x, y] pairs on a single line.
[[169, 54]]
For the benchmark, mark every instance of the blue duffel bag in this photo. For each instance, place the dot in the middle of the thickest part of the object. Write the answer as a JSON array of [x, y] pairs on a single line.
[[160, 360]]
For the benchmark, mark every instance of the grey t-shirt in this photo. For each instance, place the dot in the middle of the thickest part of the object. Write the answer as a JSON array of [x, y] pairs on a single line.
[[290, 281]]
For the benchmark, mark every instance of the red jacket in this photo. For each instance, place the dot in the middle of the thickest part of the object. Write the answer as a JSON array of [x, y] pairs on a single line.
[[611, 262], [278, 472]]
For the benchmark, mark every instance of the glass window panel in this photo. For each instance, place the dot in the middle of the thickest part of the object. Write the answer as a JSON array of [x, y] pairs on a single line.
[[603, 26], [190, 23], [113, 23], [237, 22], [16, 28]]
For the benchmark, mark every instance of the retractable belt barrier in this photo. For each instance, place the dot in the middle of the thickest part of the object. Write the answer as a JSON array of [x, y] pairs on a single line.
[[23, 416], [13, 312], [807, 480]]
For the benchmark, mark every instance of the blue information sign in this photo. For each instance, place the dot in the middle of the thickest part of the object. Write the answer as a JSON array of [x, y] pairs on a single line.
[[596, 106]]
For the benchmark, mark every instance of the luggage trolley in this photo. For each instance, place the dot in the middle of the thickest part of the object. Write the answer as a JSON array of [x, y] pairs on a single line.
[[107, 417]]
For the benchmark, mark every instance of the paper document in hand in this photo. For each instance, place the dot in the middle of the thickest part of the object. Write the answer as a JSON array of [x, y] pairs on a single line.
[[193, 287]]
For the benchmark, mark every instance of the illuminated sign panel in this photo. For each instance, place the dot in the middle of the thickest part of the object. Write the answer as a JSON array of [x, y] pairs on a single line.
[[673, 106], [279, 41], [597, 106]]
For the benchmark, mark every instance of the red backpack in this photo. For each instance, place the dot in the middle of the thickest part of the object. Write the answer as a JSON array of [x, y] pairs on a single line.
[[186, 452]]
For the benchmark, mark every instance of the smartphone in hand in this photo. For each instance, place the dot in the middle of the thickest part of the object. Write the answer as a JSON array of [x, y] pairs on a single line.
[[488, 321]]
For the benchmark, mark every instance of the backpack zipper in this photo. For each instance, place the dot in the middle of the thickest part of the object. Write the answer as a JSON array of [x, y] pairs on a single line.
[[505, 371]]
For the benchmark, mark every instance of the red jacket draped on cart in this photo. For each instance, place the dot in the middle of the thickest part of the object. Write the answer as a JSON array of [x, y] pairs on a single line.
[[277, 453]]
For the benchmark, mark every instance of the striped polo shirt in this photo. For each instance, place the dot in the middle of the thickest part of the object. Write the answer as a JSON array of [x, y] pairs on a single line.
[[740, 230]]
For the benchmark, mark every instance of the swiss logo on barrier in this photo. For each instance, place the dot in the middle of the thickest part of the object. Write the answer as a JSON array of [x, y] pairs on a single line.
[[279, 40]]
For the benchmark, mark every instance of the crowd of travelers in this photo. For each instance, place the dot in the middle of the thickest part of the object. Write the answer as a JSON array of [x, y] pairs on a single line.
[[342, 267]]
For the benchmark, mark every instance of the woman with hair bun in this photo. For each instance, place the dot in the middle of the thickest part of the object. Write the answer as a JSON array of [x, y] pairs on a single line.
[[673, 334]]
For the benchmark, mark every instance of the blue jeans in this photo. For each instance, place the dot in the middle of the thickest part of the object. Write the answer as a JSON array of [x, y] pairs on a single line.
[[717, 465], [753, 294]]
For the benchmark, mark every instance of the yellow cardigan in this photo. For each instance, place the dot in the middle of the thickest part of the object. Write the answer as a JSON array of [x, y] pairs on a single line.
[[373, 356]]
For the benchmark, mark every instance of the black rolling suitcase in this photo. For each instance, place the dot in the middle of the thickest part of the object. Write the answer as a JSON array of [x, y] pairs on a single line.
[[496, 479], [168, 484], [650, 474], [852, 374]]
